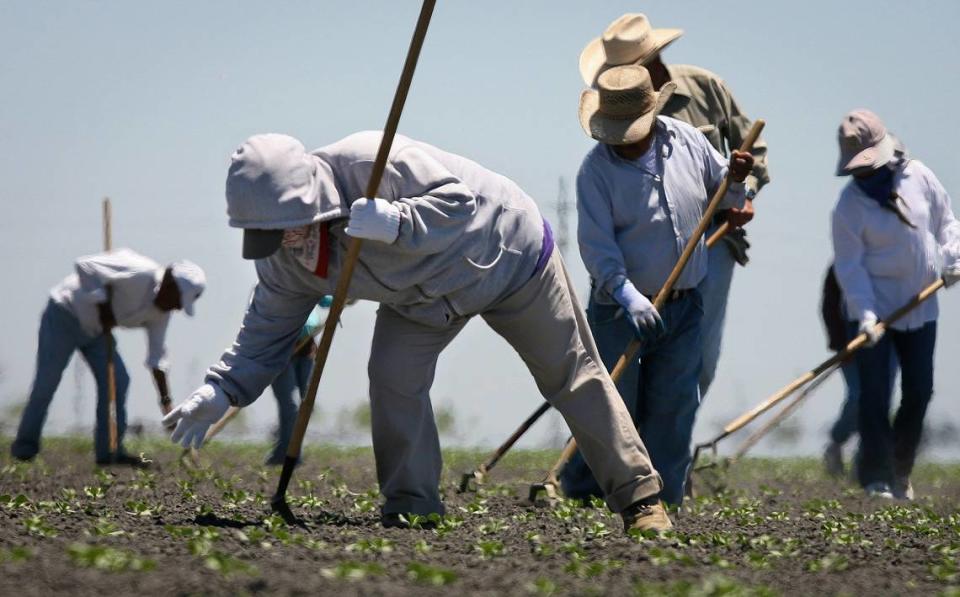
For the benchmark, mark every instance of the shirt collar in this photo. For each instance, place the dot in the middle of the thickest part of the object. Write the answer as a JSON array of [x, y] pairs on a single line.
[[681, 82], [664, 135]]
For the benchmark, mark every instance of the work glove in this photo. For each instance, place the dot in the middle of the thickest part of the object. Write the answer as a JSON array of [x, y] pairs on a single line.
[[736, 242], [950, 277], [193, 416], [868, 326], [374, 219], [640, 312]]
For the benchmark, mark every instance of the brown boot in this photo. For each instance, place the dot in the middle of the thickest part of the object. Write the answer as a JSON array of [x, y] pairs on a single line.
[[646, 515]]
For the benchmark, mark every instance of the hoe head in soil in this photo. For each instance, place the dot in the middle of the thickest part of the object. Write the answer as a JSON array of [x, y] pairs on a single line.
[[548, 487], [471, 482], [710, 472], [278, 504]]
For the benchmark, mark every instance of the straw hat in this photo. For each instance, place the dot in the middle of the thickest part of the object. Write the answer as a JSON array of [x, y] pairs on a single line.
[[624, 106], [628, 40]]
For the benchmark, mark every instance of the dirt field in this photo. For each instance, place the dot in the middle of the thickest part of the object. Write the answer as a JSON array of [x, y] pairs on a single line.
[[781, 529]]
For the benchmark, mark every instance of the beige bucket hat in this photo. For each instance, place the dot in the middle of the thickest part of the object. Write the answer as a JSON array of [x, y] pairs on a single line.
[[624, 106], [864, 143], [628, 40]]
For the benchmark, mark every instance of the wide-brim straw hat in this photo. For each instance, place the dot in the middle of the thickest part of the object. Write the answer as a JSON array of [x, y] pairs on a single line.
[[624, 106], [628, 40]]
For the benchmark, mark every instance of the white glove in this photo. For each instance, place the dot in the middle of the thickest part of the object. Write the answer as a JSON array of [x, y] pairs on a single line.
[[374, 219], [641, 314], [868, 326], [203, 408], [950, 277]]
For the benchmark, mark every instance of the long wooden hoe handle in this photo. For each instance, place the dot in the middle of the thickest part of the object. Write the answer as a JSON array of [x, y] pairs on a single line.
[[852, 347], [343, 283], [630, 353], [111, 346]]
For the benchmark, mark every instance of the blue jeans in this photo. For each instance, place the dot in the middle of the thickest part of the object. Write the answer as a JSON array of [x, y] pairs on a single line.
[[295, 377], [659, 389], [846, 424], [888, 450], [715, 289], [60, 335]]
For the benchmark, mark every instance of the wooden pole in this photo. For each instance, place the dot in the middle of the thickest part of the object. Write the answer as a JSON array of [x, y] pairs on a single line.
[[111, 346], [343, 282]]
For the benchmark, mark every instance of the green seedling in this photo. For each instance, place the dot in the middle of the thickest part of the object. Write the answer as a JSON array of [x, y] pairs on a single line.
[[17, 502], [104, 528], [430, 575], [352, 570], [142, 508], [108, 559], [97, 492], [16, 554], [493, 527], [489, 549], [582, 569], [38, 527], [542, 586], [372, 546], [227, 565]]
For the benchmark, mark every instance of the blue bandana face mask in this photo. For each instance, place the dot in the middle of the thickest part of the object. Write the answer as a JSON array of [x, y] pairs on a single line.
[[879, 186]]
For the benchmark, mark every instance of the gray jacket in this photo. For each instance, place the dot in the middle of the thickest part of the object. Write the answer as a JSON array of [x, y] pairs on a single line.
[[468, 238]]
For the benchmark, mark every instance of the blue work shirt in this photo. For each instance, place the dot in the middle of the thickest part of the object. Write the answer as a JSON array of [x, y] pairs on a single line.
[[635, 217]]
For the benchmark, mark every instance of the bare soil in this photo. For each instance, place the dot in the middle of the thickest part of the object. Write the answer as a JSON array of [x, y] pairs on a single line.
[[779, 527]]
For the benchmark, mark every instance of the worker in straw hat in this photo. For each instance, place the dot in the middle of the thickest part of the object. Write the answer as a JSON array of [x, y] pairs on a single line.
[[702, 99], [447, 240], [894, 233], [641, 192], [118, 288]]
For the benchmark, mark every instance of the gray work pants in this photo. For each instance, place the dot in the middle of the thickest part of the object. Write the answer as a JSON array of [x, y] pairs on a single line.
[[544, 322]]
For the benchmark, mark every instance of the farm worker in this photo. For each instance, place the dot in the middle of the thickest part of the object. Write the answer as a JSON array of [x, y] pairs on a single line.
[[118, 288], [838, 335], [447, 240], [894, 233], [702, 99], [641, 192], [296, 376]]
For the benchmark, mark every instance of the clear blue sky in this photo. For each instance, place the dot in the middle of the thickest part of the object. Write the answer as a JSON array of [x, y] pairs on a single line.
[[145, 102]]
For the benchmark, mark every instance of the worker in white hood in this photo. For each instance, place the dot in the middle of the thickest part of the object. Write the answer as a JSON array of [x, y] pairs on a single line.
[[450, 240]]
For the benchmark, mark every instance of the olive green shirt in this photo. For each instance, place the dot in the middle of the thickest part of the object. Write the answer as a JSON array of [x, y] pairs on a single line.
[[703, 100]]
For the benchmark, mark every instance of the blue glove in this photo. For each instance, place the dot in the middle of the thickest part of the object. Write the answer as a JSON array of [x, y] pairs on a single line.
[[640, 312], [325, 302]]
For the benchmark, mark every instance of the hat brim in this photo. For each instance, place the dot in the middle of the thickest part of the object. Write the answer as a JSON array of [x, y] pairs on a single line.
[[593, 60], [259, 243], [870, 158], [619, 131]]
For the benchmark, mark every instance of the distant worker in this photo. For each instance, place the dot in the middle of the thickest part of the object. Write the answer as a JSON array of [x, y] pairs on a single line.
[[295, 377], [115, 289], [701, 99], [894, 233]]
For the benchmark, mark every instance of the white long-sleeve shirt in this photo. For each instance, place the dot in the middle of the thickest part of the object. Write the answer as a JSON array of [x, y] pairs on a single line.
[[134, 280], [880, 262], [635, 217]]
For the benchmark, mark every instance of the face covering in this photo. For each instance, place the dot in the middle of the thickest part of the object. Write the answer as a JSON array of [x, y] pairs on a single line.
[[879, 186]]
